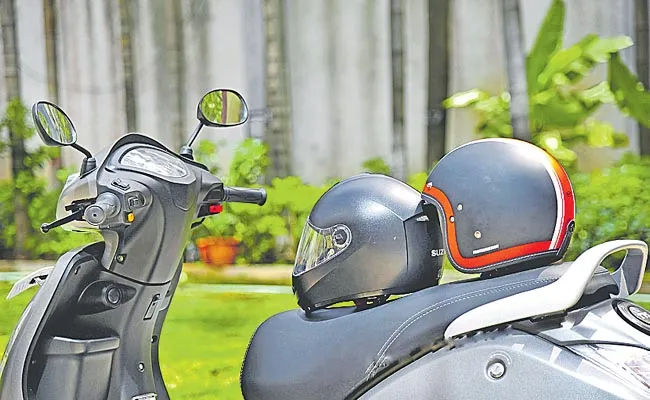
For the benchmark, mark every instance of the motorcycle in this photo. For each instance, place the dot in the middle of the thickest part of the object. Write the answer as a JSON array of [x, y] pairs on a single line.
[[92, 330]]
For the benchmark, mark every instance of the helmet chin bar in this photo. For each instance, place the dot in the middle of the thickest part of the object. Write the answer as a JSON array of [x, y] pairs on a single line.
[[560, 295]]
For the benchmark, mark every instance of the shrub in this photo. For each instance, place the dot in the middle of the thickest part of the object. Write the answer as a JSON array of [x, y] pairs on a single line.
[[376, 165], [41, 202], [612, 204], [41, 207]]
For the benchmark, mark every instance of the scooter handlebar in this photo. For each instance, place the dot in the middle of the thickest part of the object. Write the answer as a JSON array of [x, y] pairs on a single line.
[[244, 195]]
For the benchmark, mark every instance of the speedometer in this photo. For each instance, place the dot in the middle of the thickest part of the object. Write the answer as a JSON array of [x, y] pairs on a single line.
[[155, 161]]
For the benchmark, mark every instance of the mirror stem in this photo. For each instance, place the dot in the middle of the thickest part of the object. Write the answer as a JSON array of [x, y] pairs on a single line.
[[88, 164], [186, 151], [194, 134], [81, 149]]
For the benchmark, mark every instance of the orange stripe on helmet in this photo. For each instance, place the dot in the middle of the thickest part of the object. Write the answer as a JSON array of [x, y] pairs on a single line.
[[486, 259], [567, 197]]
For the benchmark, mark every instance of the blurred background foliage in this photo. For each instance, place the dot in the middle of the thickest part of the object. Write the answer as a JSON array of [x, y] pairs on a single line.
[[611, 202], [561, 106]]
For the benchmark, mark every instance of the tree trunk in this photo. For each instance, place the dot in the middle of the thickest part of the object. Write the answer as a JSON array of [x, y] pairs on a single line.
[[516, 66], [278, 132], [126, 42], [438, 79], [397, 62], [176, 54], [51, 61], [17, 145], [642, 68]]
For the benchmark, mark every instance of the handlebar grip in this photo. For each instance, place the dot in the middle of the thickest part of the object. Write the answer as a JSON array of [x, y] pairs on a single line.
[[106, 206], [244, 195]]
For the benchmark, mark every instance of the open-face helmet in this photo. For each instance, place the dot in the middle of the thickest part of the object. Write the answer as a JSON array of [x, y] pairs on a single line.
[[503, 203]]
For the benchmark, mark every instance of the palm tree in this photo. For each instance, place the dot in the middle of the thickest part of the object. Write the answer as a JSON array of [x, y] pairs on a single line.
[[516, 66], [438, 79], [16, 143], [176, 48], [126, 42], [278, 132], [51, 62], [642, 48], [397, 62]]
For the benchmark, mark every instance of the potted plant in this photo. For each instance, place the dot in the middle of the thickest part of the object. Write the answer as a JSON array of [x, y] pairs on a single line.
[[214, 238], [215, 241]]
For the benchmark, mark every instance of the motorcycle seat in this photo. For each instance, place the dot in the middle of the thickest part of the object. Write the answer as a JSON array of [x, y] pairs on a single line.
[[327, 354]]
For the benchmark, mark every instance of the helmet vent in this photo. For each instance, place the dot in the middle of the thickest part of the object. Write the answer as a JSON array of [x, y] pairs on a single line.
[[486, 249]]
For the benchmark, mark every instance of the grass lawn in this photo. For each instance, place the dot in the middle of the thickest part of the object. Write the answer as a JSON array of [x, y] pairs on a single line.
[[203, 341]]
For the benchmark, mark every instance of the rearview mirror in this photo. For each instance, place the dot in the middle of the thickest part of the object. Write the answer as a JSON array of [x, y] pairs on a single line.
[[222, 107], [54, 126]]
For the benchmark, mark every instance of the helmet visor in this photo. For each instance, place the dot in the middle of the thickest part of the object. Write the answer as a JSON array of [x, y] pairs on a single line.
[[320, 245]]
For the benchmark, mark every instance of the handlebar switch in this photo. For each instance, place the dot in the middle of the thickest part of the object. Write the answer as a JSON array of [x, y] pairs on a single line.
[[120, 184], [134, 200], [209, 209]]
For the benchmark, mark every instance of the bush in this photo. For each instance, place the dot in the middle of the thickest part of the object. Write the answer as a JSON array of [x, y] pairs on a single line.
[[376, 165], [270, 233], [41, 202], [41, 208], [612, 204]]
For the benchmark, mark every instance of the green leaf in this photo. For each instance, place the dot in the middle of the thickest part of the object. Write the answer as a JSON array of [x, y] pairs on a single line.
[[552, 111], [548, 41], [596, 95], [465, 99], [570, 65], [628, 92], [601, 136], [559, 64], [599, 50]]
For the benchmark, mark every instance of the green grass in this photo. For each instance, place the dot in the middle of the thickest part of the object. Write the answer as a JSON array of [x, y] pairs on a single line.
[[203, 341]]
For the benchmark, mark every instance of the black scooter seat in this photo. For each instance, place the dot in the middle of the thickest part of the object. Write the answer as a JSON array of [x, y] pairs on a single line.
[[329, 353]]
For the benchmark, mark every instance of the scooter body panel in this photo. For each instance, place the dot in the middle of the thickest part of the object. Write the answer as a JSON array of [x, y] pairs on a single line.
[[67, 346], [532, 368], [13, 368]]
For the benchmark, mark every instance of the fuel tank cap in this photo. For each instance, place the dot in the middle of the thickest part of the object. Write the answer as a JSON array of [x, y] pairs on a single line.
[[635, 315]]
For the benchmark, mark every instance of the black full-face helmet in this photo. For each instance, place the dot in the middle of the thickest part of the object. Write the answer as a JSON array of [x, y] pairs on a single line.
[[365, 239]]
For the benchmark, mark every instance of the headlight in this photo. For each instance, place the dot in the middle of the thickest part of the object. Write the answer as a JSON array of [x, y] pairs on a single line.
[[154, 161], [630, 364]]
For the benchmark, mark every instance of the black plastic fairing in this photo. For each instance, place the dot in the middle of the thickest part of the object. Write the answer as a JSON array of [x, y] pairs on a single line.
[[161, 225]]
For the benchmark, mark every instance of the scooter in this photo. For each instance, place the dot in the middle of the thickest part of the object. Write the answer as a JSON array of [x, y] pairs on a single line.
[[564, 331], [92, 329]]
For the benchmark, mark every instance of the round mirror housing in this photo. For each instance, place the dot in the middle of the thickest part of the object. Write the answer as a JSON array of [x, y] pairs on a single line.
[[222, 107], [54, 127]]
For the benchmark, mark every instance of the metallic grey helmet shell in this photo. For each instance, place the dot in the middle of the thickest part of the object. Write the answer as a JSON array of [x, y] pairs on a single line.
[[394, 247]]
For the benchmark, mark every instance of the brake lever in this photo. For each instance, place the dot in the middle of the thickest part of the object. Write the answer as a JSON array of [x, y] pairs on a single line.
[[77, 207], [75, 216]]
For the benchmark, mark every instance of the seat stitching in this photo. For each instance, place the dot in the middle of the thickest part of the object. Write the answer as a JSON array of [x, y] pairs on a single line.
[[459, 297], [380, 355]]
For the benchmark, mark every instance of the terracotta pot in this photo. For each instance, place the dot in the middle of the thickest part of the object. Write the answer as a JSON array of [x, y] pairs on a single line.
[[217, 251]]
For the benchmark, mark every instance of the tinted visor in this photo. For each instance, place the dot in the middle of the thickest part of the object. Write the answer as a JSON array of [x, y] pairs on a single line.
[[320, 245]]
